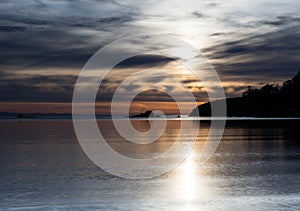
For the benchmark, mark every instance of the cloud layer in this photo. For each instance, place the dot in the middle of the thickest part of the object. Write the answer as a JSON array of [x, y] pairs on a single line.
[[44, 43]]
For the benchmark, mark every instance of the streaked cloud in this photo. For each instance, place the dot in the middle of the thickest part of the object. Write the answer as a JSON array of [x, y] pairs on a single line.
[[44, 43]]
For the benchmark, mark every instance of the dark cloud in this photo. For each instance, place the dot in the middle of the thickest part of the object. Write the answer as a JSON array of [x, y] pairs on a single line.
[[153, 95], [12, 28], [217, 34], [213, 4], [35, 34], [190, 81], [198, 14], [264, 56], [40, 49], [281, 20], [144, 61], [155, 79], [131, 87], [37, 88]]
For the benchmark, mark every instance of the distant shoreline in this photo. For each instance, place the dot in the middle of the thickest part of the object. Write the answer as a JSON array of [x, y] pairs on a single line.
[[67, 118]]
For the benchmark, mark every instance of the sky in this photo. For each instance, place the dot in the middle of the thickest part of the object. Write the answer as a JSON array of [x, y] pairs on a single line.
[[44, 45]]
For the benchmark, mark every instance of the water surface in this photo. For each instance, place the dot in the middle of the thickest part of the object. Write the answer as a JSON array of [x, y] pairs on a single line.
[[256, 167]]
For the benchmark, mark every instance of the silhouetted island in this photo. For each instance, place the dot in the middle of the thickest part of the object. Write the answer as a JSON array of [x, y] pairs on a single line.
[[145, 114], [268, 101], [24, 116]]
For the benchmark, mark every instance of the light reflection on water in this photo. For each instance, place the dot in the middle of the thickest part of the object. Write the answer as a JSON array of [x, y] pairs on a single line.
[[255, 167], [189, 184]]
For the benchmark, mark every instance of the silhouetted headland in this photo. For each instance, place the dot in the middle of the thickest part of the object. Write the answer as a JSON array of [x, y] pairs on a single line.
[[268, 101]]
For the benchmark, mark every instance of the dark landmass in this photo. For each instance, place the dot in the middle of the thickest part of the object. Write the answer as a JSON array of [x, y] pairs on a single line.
[[268, 101], [8, 114], [12, 115], [22, 116], [142, 115]]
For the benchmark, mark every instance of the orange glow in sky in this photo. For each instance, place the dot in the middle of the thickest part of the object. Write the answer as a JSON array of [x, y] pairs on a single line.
[[102, 108]]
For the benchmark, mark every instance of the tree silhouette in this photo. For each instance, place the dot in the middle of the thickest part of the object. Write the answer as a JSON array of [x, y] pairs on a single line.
[[290, 90], [268, 101]]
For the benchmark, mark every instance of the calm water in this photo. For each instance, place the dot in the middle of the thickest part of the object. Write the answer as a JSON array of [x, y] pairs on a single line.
[[256, 167]]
